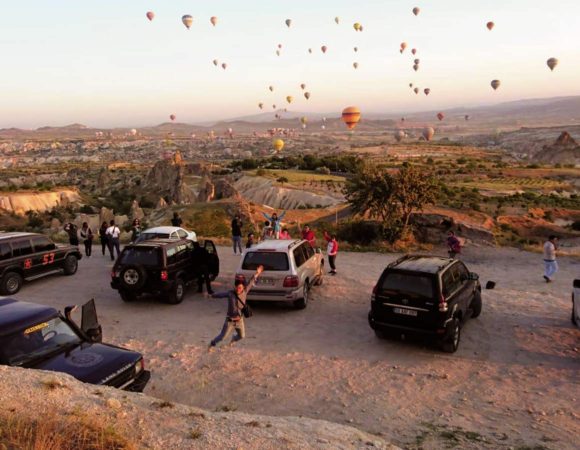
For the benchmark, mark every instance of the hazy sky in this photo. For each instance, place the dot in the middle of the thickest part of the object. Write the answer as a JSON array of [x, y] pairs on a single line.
[[102, 63]]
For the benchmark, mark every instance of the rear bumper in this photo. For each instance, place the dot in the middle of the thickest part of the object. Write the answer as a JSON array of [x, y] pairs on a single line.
[[158, 287], [140, 382], [440, 331], [281, 295]]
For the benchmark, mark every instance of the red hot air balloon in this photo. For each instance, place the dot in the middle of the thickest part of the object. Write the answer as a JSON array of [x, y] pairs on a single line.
[[427, 91], [490, 25], [351, 117], [324, 48], [150, 15], [414, 51], [172, 117], [440, 116]]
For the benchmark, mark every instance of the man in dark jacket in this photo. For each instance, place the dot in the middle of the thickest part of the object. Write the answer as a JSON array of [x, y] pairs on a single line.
[[200, 259], [176, 221], [237, 233], [236, 301]]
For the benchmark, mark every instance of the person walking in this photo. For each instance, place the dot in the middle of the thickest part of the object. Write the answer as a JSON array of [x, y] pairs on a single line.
[[331, 251], [453, 244], [275, 222], [237, 233], [236, 302], [87, 237], [176, 221], [113, 233], [200, 259], [135, 230], [550, 263], [103, 237], [308, 235], [71, 230]]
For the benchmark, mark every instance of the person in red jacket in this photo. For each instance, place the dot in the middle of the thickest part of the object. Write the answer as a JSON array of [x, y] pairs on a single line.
[[331, 251], [308, 235]]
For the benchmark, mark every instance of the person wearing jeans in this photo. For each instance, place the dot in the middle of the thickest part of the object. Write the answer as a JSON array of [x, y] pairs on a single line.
[[237, 233], [113, 233], [236, 301], [550, 263]]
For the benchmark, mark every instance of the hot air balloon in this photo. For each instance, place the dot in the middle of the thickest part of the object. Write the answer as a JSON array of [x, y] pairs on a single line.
[[417, 61], [172, 117], [133, 132], [278, 144], [351, 116], [402, 119], [288, 22], [440, 116], [215, 62], [280, 46], [303, 120], [552, 63], [309, 50], [415, 67], [278, 52], [357, 26], [261, 105], [289, 99], [411, 85], [271, 88], [416, 10], [361, 29], [426, 91], [399, 135], [307, 95], [414, 51], [324, 120], [490, 25], [213, 20], [273, 106], [467, 117], [403, 46], [355, 65], [303, 86], [428, 133], [416, 90], [337, 20], [187, 21], [324, 48], [224, 66], [495, 84], [355, 49], [150, 15]]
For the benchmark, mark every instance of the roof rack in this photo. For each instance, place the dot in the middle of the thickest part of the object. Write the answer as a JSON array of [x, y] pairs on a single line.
[[292, 244]]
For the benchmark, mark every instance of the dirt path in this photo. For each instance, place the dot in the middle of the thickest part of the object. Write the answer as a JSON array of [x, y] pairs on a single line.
[[514, 382]]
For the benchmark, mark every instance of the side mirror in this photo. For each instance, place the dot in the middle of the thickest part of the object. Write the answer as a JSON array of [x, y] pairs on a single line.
[[490, 285]]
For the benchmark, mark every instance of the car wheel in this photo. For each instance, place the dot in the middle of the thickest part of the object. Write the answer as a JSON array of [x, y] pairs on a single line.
[[177, 293], [451, 342], [11, 283], [133, 277], [127, 296], [71, 264], [476, 304], [301, 303]]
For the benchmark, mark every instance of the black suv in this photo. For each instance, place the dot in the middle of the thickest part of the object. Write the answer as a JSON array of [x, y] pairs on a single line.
[[163, 267], [28, 256], [39, 337], [428, 295]]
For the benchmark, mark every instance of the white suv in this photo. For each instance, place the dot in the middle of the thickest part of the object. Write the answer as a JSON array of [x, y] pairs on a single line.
[[291, 268]]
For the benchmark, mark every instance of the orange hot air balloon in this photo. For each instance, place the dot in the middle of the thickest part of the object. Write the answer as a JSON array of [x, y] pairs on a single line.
[[213, 20], [403, 46], [289, 99], [495, 84], [440, 116], [324, 48], [351, 117], [307, 95], [416, 90], [303, 86], [172, 117], [187, 21], [426, 91], [428, 133], [490, 25], [415, 67], [150, 15], [355, 65], [416, 10], [414, 51], [552, 63]]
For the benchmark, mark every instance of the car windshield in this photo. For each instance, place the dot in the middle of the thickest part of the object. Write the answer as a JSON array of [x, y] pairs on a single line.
[[37, 341], [274, 261], [143, 256], [416, 285], [149, 236]]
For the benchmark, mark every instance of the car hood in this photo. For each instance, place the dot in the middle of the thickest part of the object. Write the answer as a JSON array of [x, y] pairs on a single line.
[[90, 363]]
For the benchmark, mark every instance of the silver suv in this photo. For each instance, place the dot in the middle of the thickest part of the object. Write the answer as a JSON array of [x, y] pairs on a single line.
[[291, 268]]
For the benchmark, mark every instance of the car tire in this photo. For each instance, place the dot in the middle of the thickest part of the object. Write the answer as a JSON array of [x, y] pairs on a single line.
[[128, 297], [133, 277], [175, 296], [476, 304], [302, 303], [71, 265], [451, 343], [11, 283]]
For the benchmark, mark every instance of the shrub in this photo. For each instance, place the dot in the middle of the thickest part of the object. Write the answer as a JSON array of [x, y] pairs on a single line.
[[359, 232]]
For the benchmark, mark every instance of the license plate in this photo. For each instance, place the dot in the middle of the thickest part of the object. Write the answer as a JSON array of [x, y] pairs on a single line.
[[266, 281], [405, 312]]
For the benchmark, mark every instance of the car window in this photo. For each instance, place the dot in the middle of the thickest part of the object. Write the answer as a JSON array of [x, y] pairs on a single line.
[[189, 245], [309, 251], [149, 236], [462, 271], [182, 234], [5, 251], [450, 281], [416, 285], [273, 261], [21, 247], [174, 235], [171, 255], [42, 244], [143, 256], [299, 256]]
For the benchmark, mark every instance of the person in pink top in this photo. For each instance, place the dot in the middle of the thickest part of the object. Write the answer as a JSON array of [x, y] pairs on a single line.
[[308, 235], [331, 251], [285, 234]]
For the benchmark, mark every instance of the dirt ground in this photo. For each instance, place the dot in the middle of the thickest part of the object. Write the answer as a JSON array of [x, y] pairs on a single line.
[[514, 382]]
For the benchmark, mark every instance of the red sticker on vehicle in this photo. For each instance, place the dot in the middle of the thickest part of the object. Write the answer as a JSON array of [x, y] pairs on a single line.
[[27, 263]]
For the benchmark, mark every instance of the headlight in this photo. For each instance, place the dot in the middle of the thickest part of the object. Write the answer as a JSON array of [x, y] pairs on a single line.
[[139, 366]]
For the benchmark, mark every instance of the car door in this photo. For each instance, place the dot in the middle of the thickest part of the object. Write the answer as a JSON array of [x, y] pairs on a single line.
[[300, 262], [214, 260], [23, 256], [90, 323], [45, 257], [465, 284]]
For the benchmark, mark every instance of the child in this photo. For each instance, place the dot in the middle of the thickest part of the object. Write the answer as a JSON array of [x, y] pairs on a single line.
[[331, 251], [284, 234]]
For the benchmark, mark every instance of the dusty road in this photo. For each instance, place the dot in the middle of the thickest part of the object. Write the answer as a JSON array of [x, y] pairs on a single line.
[[515, 381]]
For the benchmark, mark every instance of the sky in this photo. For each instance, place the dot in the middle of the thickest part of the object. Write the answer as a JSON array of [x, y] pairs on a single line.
[[103, 64]]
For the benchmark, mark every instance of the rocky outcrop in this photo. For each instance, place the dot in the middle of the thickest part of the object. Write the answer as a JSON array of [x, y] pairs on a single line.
[[19, 203], [564, 151], [136, 211], [106, 215], [432, 228], [206, 191], [104, 179], [147, 422], [168, 178], [161, 203]]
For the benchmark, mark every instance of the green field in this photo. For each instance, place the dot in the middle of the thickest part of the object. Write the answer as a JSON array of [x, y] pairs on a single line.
[[297, 176]]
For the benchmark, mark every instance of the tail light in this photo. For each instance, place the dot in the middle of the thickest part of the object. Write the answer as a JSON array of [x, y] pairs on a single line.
[[291, 281], [442, 304], [164, 276], [374, 294], [113, 274], [240, 279]]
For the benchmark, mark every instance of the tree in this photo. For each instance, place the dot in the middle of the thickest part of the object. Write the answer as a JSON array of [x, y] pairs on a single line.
[[371, 192], [414, 189], [282, 180]]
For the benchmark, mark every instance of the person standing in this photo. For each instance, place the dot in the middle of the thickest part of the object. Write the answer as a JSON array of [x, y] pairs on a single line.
[[87, 237], [250, 240], [135, 230], [236, 301], [284, 234], [176, 221], [267, 232], [453, 244], [550, 263], [200, 259], [237, 225], [275, 222], [331, 251], [308, 235], [113, 233], [103, 237], [71, 230]]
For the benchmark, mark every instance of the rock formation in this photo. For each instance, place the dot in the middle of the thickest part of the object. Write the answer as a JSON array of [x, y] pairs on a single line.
[[565, 150], [136, 211], [167, 178]]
